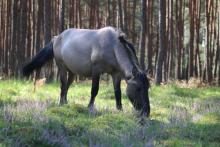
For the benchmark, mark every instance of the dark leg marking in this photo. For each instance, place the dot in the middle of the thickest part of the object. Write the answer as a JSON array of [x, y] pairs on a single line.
[[65, 84], [70, 80], [117, 90], [94, 90], [63, 81]]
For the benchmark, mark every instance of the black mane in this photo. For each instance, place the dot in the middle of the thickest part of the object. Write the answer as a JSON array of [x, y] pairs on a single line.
[[143, 77], [129, 45], [130, 50]]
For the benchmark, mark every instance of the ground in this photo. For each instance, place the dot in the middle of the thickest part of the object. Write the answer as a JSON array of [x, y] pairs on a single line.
[[179, 117]]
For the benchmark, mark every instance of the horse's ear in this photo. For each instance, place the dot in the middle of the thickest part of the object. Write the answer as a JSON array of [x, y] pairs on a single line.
[[122, 39], [147, 72]]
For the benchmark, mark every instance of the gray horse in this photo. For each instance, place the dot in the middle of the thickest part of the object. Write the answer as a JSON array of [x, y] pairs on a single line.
[[93, 52]]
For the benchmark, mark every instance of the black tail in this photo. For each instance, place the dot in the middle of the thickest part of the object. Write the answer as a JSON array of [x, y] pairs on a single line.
[[43, 56]]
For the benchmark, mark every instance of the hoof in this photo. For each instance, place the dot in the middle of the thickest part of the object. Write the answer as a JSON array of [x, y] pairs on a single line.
[[63, 102], [91, 108], [119, 107]]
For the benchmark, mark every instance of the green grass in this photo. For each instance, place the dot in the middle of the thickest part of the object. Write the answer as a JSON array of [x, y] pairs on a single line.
[[179, 117]]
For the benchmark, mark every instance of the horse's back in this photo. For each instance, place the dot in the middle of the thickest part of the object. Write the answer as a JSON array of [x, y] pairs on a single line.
[[80, 49]]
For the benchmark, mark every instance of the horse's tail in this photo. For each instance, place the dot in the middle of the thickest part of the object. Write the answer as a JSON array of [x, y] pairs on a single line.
[[44, 55]]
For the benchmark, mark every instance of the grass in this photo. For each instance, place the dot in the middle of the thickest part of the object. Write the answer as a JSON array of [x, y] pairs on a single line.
[[179, 117]]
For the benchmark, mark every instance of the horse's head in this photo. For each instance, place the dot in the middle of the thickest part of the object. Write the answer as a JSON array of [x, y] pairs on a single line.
[[137, 92], [137, 83]]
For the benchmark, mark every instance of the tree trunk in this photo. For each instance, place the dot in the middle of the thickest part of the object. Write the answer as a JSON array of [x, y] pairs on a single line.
[[162, 34], [218, 45], [198, 71], [149, 37], [23, 37], [180, 38], [29, 31], [38, 31], [47, 37], [120, 15], [172, 51], [34, 27], [133, 21], [8, 37], [166, 55], [143, 34], [92, 14], [3, 30], [113, 13], [207, 50], [62, 15], [191, 44], [47, 21], [14, 38], [125, 14]]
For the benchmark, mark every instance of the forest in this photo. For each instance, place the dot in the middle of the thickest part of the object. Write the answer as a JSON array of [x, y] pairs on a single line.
[[175, 40], [177, 43]]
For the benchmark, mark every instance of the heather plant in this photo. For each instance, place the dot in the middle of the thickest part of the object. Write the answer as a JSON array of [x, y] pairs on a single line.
[[180, 116]]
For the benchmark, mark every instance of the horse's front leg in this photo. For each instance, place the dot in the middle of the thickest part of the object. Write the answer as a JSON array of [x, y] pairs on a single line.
[[117, 90], [94, 90]]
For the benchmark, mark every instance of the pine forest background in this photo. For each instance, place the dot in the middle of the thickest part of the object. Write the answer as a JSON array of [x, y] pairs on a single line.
[[175, 39]]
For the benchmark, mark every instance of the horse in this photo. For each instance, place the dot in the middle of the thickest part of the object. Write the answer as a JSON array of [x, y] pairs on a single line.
[[90, 53]]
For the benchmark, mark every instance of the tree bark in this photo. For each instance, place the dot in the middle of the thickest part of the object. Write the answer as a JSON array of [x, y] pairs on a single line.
[[172, 51], [47, 37], [125, 18], [191, 44], [149, 37], [143, 34], [62, 15], [218, 47], [38, 31], [208, 73], [23, 28], [14, 38], [198, 71], [180, 38], [133, 21], [162, 34], [120, 15]]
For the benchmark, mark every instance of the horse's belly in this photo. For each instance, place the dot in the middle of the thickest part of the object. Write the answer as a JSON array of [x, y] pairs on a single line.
[[80, 69], [78, 62], [84, 65]]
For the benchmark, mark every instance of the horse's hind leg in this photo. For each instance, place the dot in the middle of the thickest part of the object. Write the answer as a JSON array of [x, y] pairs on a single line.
[[94, 91], [65, 83], [63, 87], [70, 79]]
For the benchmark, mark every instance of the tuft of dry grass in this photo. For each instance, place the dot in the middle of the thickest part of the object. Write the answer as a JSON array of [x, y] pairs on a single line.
[[191, 83], [39, 83]]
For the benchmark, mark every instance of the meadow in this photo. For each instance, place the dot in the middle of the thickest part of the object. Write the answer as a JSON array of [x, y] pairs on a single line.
[[179, 117]]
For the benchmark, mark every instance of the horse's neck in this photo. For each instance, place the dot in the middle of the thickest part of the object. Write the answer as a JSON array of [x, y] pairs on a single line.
[[124, 61]]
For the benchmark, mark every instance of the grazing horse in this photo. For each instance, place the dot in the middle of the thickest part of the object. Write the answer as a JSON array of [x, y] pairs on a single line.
[[93, 52]]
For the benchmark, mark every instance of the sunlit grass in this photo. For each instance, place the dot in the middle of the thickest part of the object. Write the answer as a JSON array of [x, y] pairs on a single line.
[[179, 117]]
